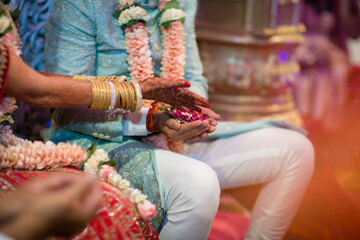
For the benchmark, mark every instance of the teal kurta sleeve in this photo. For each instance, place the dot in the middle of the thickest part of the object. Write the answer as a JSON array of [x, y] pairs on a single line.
[[193, 65], [70, 46]]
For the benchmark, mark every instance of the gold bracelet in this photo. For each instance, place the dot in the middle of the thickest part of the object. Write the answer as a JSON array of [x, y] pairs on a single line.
[[130, 95], [102, 95], [117, 95], [95, 96], [106, 96]]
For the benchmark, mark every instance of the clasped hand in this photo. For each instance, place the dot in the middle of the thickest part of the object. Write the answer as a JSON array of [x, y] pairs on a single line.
[[171, 91], [191, 131]]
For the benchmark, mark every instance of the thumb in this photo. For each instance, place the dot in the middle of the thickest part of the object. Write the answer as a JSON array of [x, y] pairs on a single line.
[[173, 124]]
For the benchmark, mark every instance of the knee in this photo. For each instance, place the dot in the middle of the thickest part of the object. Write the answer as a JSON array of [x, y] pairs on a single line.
[[299, 154], [202, 191]]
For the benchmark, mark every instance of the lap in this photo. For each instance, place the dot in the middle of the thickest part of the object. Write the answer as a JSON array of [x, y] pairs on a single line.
[[249, 158]]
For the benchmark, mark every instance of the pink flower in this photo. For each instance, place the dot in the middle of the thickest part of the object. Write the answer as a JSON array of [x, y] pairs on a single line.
[[173, 61], [147, 210], [137, 46], [105, 171], [162, 4], [189, 115]]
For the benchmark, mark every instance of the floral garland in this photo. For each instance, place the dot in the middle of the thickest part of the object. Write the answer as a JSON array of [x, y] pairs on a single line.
[[131, 18], [17, 153]]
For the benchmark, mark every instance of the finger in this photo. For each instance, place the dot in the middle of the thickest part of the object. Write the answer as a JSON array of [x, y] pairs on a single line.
[[211, 129], [173, 124], [210, 113], [197, 138], [91, 199], [197, 100], [212, 122], [180, 104], [52, 183], [76, 191], [193, 129], [168, 83]]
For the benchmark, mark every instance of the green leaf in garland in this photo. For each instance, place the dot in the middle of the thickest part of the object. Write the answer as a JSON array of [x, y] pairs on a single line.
[[2, 12], [171, 4], [127, 6], [15, 14], [167, 24], [110, 163], [91, 149], [117, 14], [8, 29], [132, 22]]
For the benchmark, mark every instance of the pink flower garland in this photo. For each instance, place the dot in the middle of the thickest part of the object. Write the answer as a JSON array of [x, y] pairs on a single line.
[[173, 61], [174, 51], [39, 155], [137, 46]]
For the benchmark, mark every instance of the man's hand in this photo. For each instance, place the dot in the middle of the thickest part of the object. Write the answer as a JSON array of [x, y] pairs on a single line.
[[171, 91], [192, 131]]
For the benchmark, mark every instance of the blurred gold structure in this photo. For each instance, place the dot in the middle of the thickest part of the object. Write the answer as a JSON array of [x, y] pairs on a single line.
[[246, 47]]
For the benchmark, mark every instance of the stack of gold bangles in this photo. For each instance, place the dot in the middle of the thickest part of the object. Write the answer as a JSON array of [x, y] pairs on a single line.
[[113, 92]]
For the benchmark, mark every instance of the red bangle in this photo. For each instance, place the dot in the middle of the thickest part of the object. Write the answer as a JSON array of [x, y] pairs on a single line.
[[150, 117]]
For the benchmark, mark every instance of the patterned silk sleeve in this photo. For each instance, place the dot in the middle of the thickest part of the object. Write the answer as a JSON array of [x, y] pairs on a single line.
[[193, 66], [71, 48], [4, 68]]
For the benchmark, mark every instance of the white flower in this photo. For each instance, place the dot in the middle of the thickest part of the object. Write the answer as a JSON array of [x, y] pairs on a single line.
[[100, 155], [92, 164], [125, 1], [171, 14], [132, 13], [4, 23]]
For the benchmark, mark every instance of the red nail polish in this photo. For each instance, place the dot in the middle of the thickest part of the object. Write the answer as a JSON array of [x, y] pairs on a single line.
[[187, 84]]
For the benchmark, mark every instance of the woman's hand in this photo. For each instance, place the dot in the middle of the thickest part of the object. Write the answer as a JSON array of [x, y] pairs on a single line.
[[56, 205], [171, 92], [191, 131]]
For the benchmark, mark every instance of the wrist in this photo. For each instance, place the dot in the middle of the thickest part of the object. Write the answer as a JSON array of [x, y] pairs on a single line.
[[151, 119]]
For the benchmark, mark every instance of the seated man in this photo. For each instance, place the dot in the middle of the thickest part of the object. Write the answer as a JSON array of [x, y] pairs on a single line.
[[83, 37]]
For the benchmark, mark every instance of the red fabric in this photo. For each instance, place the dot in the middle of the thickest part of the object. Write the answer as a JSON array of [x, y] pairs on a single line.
[[116, 219], [5, 52], [228, 226]]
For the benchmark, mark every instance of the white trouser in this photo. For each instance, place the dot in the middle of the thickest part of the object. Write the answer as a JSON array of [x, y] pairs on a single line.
[[280, 158], [191, 196]]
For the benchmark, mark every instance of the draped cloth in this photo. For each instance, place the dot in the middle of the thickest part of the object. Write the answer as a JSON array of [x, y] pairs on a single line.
[[115, 219]]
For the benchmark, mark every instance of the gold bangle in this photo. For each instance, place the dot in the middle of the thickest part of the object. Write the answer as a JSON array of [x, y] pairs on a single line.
[[95, 96], [128, 96], [117, 95], [100, 95], [106, 96]]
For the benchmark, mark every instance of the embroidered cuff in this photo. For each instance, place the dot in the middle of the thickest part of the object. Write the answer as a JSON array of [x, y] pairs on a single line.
[[136, 127]]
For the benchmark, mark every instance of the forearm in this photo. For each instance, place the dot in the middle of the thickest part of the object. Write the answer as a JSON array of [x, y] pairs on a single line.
[[43, 90]]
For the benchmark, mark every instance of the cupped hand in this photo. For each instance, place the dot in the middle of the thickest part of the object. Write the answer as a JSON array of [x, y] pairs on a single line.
[[213, 117], [190, 131], [171, 91]]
